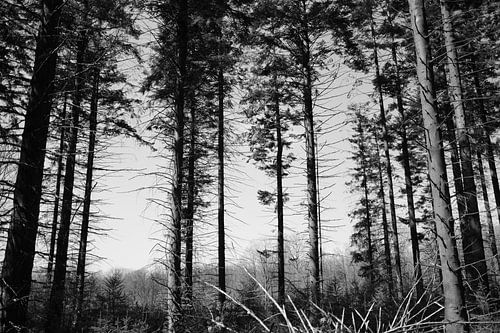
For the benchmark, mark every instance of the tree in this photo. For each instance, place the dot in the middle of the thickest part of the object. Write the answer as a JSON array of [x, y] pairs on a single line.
[[268, 93], [388, 165], [454, 307], [20, 250], [365, 176], [470, 224], [57, 293], [397, 91]]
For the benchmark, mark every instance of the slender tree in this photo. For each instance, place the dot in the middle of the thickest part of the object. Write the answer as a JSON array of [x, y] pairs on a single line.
[[388, 165], [57, 294], [455, 315], [84, 228], [470, 224], [174, 231], [60, 168], [405, 153]]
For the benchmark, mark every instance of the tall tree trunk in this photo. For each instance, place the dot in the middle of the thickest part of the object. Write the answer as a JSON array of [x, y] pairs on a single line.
[[279, 199], [55, 216], [190, 205], [490, 155], [491, 229], [57, 292], [21, 239], [312, 192], [221, 207], [385, 139], [174, 231], [84, 231], [367, 210], [470, 224], [454, 304], [385, 224], [405, 159]]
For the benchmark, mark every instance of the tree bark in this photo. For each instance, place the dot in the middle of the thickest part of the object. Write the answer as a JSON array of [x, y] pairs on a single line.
[[174, 231], [312, 192], [489, 219], [490, 154], [190, 205], [454, 304], [405, 159], [385, 139], [84, 230], [57, 292], [470, 224], [221, 205], [21, 239], [385, 225], [279, 199], [55, 216]]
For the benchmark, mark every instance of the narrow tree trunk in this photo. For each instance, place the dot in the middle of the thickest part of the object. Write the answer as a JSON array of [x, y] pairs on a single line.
[[190, 206], [454, 304], [174, 231], [55, 216], [56, 300], [21, 239], [221, 208], [279, 199], [320, 230], [385, 224], [491, 229], [472, 239], [367, 216], [312, 192], [84, 231], [405, 159], [385, 139], [490, 155]]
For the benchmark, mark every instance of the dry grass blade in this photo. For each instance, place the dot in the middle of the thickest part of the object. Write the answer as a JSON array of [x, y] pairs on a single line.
[[250, 312]]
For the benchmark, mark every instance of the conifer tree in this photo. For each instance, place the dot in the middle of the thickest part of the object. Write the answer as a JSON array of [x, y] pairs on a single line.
[[470, 224], [20, 250], [454, 307]]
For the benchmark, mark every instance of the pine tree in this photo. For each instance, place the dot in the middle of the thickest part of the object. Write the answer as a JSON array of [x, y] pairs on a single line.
[[470, 224], [454, 307], [20, 250]]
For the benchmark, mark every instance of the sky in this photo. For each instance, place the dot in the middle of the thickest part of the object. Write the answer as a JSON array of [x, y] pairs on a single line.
[[133, 236]]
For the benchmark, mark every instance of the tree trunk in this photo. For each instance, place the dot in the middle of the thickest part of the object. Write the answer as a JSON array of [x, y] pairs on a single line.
[[221, 207], [56, 300], [312, 192], [470, 224], [84, 231], [405, 159], [385, 139], [174, 231], [367, 209], [190, 206], [491, 229], [385, 225], [454, 304], [490, 155], [55, 216], [21, 239], [279, 199]]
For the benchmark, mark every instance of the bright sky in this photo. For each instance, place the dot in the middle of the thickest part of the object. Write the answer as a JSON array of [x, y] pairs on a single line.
[[133, 235]]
